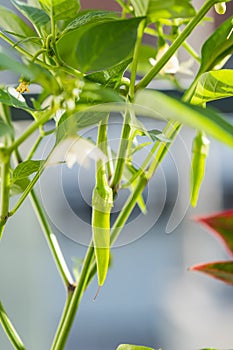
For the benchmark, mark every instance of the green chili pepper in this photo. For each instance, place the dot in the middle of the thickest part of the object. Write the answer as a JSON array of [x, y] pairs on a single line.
[[200, 150], [102, 202], [220, 8]]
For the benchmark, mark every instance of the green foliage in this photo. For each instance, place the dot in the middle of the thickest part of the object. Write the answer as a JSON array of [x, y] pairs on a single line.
[[26, 168], [156, 9], [217, 48], [36, 16], [102, 51], [159, 105], [213, 85], [61, 9]]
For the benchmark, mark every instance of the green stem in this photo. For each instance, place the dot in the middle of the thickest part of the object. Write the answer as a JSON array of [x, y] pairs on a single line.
[[10, 330], [72, 306], [191, 51], [23, 51], [122, 153], [175, 45], [140, 33], [26, 192], [4, 204], [34, 147], [32, 128], [52, 242]]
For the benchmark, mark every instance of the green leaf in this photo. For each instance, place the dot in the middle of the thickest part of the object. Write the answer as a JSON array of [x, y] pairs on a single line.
[[93, 93], [70, 125], [9, 63], [157, 104], [222, 225], [5, 129], [11, 22], [61, 9], [19, 186], [169, 9], [36, 16], [110, 77], [218, 48], [25, 169], [132, 347], [9, 100], [89, 17], [100, 51], [222, 270], [213, 85], [157, 135], [157, 9]]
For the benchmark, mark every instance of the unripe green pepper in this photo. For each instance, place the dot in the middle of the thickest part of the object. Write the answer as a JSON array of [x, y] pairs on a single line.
[[200, 150], [220, 8], [102, 202]]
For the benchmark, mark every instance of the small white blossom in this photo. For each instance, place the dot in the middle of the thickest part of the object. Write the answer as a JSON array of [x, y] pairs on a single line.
[[13, 92], [172, 66], [75, 150]]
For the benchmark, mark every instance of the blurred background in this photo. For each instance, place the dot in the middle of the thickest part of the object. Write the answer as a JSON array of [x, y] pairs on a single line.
[[150, 297]]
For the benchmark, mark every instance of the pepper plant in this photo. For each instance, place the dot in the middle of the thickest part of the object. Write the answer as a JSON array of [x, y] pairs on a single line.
[[89, 64]]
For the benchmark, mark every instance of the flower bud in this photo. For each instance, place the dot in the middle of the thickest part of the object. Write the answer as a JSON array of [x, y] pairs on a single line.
[[220, 8]]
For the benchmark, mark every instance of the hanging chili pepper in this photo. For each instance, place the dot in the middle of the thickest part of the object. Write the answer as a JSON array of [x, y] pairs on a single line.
[[102, 202], [200, 150]]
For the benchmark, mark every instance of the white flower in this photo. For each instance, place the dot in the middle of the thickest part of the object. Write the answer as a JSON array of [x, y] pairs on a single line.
[[75, 150], [13, 92], [172, 66]]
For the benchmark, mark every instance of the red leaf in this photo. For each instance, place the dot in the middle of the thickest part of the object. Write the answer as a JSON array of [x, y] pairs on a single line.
[[222, 270], [222, 225]]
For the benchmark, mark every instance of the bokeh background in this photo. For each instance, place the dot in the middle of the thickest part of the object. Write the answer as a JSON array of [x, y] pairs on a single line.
[[150, 297]]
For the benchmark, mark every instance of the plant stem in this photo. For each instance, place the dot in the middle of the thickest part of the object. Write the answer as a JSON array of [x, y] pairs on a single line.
[[4, 204], [32, 128], [26, 192], [72, 306], [122, 153], [52, 242], [140, 33], [175, 45], [10, 330]]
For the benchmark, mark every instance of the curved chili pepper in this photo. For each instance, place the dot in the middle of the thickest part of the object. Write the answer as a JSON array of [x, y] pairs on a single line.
[[200, 150]]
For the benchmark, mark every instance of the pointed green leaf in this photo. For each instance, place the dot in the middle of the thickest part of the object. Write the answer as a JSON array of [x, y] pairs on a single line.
[[157, 104], [110, 77], [132, 347], [25, 169], [89, 17], [100, 51], [94, 93], [169, 9], [11, 22], [61, 9], [36, 16], [222, 225], [19, 186], [10, 100], [222, 270], [5, 129], [218, 47], [156, 9], [213, 85], [145, 53]]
